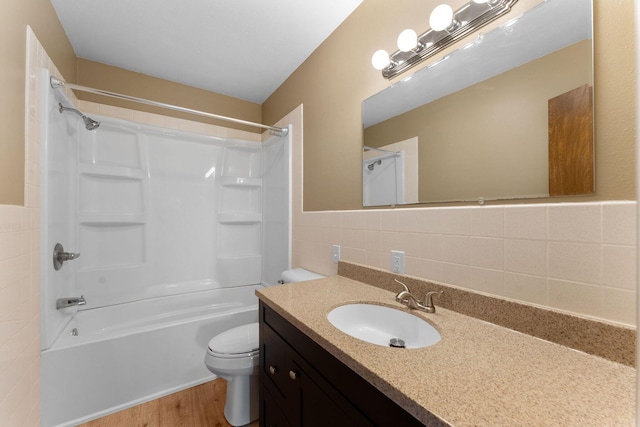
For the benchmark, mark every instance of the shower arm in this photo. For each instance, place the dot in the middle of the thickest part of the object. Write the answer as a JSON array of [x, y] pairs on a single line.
[[89, 123], [274, 130]]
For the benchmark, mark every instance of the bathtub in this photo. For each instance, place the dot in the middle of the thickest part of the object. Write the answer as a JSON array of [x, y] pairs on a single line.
[[134, 352]]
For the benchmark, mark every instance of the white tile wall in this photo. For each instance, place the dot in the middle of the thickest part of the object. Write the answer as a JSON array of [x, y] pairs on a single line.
[[525, 222], [19, 271], [573, 257]]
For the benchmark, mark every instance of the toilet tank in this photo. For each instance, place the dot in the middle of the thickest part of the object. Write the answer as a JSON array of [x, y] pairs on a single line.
[[298, 275]]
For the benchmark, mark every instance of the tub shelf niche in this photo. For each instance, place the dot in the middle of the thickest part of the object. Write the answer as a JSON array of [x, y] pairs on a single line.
[[112, 218], [240, 195], [99, 239], [111, 190], [240, 218], [247, 182], [239, 270], [122, 172]]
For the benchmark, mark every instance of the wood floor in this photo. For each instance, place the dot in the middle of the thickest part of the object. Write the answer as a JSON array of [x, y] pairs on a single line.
[[201, 406]]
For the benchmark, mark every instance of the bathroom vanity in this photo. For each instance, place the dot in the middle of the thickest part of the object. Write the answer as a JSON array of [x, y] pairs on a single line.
[[478, 374], [303, 384]]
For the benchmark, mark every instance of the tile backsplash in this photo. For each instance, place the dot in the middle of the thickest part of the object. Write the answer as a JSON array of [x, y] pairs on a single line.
[[575, 257]]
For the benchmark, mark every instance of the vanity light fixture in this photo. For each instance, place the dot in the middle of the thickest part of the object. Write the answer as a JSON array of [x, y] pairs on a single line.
[[407, 40], [380, 59], [447, 27], [441, 17]]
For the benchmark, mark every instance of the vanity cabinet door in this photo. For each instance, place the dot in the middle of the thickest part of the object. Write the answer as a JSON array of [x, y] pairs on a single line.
[[322, 405], [295, 394], [274, 364], [271, 415]]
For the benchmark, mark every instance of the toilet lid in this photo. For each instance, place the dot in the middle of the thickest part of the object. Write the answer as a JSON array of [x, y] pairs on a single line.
[[241, 339]]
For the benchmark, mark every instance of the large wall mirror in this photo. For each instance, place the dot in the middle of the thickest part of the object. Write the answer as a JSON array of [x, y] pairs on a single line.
[[508, 115]]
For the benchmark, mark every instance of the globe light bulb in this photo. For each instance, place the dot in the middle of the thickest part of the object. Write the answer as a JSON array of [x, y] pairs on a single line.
[[407, 40], [380, 59], [441, 17]]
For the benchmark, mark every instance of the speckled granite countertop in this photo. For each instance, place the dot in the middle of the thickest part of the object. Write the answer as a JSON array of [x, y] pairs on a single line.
[[479, 374]]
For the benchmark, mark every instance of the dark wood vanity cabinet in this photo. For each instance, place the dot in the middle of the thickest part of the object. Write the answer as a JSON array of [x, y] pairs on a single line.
[[301, 384]]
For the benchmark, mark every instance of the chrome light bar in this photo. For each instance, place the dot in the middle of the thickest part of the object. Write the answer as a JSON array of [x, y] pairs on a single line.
[[466, 20]]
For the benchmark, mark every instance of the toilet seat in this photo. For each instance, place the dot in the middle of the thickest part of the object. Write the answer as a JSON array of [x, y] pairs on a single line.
[[238, 342]]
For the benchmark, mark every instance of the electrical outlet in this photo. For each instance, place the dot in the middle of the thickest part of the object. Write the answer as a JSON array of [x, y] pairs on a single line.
[[397, 262], [336, 254]]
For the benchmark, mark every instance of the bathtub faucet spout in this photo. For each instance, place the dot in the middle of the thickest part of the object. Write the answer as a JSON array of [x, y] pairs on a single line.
[[70, 302]]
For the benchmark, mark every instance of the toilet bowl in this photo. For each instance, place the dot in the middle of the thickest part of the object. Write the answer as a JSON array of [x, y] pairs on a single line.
[[234, 355]]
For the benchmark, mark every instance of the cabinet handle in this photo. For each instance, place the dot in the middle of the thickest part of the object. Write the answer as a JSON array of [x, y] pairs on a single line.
[[293, 375], [273, 369]]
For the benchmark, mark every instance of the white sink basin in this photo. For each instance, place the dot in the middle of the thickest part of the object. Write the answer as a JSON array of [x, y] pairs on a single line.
[[379, 325]]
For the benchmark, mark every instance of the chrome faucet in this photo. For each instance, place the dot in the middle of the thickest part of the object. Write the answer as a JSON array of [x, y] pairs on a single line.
[[70, 302], [406, 297]]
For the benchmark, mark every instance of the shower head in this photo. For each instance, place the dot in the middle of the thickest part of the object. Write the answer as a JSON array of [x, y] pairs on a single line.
[[89, 123]]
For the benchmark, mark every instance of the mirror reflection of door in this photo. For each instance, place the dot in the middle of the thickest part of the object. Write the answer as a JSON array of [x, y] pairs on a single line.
[[571, 143]]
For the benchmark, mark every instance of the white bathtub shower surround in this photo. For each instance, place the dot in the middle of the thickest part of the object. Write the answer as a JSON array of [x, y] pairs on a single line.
[[158, 208], [175, 232], [131, 353], [155, 212]]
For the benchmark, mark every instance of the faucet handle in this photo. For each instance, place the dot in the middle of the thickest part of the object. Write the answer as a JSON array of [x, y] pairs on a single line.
[[60, 256], [428, 301], [406, 289]]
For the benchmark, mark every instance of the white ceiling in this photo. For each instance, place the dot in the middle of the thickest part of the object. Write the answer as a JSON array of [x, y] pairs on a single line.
[[242, 48]]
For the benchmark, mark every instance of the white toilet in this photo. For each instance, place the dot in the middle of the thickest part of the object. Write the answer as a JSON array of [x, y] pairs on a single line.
[[235, 354]]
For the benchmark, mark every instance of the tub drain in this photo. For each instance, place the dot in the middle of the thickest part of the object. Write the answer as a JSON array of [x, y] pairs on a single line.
[[396, 343], [74, 332]]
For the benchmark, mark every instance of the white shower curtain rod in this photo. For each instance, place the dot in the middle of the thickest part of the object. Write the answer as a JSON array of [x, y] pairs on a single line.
[[380, 149], [274, 130], [381, 157]]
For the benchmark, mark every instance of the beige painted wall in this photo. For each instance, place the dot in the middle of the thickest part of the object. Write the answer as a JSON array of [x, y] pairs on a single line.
[[490, 139], [15, 16], [333, 82], [114, 79]]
